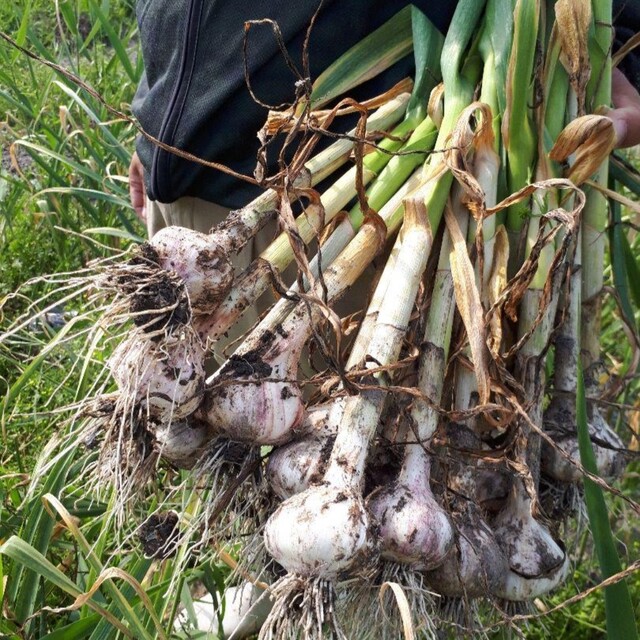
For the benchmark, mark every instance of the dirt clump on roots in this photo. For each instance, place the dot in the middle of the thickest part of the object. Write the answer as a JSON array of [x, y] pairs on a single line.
[[161, 304], [158, 535], [157, 299]]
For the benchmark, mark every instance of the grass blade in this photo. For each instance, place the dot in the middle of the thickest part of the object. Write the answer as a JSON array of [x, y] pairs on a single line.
[[621, 278], [115, 41], [76, 630], [632, 268], [37, 530], [25, 555], [115, 144], [103, 630], [618, 605], [123, 603], [116, 233]]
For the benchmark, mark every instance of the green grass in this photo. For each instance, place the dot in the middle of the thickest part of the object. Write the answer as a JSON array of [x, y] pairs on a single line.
[[63, 171], [70, 177]]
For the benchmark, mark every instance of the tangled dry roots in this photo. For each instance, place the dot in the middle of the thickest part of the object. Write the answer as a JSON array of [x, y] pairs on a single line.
[[303, 608], [385, 606], [154, 299]]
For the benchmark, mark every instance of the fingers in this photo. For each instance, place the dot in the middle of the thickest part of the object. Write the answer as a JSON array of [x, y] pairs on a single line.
[[136, 187], [626, 111]]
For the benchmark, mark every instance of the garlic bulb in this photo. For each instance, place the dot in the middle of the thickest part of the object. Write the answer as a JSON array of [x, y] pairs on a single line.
[[182, 443], [560, 423], [475, 565], [536, 562], [200, 262], [165, 377], [295, 466], [320, 532], [255, 397], [414, 528]]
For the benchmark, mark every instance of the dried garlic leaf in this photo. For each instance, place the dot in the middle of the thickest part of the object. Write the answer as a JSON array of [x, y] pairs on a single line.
[[469, 305], [591, 138], [573, 18], [497, 283]]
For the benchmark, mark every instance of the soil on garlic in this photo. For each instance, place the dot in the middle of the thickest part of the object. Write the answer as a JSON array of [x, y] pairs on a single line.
[[250, 363], [158, 298]]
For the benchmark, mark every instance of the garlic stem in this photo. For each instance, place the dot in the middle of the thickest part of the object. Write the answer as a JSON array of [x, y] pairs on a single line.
[[241, 225], [386, 341], [251, 284], [246, 397], [346, 539]]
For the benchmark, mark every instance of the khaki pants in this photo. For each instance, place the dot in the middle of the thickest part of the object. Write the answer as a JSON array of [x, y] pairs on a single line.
[[201, 215]]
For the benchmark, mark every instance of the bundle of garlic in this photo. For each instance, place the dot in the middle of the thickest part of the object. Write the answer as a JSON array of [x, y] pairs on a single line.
[[421, 462]]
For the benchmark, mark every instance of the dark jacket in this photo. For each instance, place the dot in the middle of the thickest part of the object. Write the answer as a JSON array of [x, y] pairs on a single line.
[[194, 96], [626, 19]]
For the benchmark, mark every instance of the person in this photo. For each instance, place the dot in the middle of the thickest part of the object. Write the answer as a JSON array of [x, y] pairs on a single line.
[[626, 110], [194, 94]]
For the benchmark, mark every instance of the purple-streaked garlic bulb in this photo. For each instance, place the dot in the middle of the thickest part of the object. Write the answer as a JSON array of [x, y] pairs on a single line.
[[198, 259], [255, 396], [167, 378], [414, 528]]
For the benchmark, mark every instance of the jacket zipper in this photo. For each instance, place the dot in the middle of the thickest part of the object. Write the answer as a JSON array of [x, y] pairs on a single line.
[[161, 164]]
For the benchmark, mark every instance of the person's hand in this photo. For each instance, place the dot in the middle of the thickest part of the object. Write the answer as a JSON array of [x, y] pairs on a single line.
[[136, 187], [626, 110]]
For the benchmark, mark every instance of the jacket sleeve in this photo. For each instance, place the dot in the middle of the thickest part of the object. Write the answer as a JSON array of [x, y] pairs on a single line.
[[626, 21]]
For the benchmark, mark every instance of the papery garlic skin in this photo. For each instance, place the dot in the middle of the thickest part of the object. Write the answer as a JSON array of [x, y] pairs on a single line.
[[165, 377], [320, 533], [201, 264]]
